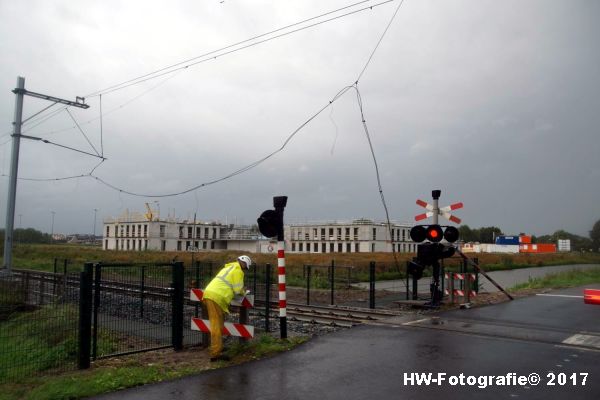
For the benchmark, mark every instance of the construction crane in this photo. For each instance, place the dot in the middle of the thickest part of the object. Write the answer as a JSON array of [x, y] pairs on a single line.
[[150, 214]]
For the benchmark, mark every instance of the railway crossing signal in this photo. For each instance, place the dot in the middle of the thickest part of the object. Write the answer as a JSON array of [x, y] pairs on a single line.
[[432, 251], [270, 224], [433, 233]]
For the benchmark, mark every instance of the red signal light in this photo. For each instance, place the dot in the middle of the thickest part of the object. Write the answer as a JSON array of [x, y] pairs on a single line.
[[434, 233]]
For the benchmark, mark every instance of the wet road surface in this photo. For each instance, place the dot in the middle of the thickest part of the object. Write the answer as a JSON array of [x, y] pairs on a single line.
[[376, 361]]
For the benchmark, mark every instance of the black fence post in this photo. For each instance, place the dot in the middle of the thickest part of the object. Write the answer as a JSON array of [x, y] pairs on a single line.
[[372, 284], [65, 278], [97, 280], [205, 337], [243, 320], [54, 279], [142, 291], [177, 315], [332, 281], [254, 280], [308, 272], [85, 317], [476, 260], [268, 298], [407, 281]]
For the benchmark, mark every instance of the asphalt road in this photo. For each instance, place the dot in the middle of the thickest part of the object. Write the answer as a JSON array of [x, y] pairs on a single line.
[[523, 337], [506, 279]]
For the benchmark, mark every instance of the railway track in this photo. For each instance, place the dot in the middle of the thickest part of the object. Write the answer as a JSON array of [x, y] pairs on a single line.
[[312, 314], [335, 315]]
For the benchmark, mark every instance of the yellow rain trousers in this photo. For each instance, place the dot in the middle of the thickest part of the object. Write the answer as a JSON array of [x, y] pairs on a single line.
[[217, 296], [215, 315]]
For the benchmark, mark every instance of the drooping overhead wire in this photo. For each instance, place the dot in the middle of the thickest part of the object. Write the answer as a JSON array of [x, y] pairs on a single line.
[[64, 178], [51, 179], [366, 129], [379, 42], [236, 172], [362, 115], [288, 139], [180, 66], [101, 128]]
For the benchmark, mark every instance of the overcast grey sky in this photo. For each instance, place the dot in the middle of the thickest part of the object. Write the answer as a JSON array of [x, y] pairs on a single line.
[[496, 103]]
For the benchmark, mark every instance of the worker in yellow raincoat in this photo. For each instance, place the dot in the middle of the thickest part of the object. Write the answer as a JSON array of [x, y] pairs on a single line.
[[217, 296]]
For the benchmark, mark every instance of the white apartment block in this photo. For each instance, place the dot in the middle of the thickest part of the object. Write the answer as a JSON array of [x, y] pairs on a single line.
[[139, 232], [359, 236], [135, 232]]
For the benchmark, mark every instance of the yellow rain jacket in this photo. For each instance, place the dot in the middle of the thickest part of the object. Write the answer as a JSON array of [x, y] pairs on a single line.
[[228, 282]]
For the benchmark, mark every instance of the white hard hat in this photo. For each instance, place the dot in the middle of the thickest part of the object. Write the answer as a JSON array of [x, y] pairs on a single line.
[[246, 260]]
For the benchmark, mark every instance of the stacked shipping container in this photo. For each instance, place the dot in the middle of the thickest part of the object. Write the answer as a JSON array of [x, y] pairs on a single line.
[[517, 244]]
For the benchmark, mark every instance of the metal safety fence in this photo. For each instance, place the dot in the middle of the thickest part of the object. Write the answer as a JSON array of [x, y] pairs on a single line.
[[38, 323], [362, 285], [113, 309], [129, 308]]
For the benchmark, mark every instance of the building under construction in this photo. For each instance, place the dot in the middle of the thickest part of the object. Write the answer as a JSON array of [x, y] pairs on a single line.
[[140, 232]]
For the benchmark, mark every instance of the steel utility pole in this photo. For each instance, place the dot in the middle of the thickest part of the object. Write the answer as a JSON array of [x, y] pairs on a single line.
[[20, 92], [12, 180]]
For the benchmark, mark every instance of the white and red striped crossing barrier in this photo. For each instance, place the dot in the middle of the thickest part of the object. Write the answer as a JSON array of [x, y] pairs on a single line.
[[449, 289], [229, 328], [246, 301]]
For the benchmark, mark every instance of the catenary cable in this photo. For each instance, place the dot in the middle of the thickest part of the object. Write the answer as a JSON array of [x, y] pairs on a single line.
[[151, 74], [290, 137]]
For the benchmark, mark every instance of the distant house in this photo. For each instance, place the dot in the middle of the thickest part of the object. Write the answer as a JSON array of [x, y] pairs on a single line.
[[82, 239]]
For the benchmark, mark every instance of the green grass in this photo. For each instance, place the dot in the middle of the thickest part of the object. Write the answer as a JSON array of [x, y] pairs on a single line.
[[37, 341], [45, 339], [79, 384], [41, 257], [263, 346], [90, 383], [563, 279]]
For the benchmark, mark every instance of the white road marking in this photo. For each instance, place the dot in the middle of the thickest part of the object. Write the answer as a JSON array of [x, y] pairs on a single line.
[[559, 295], [583, 340], [416, 322]]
